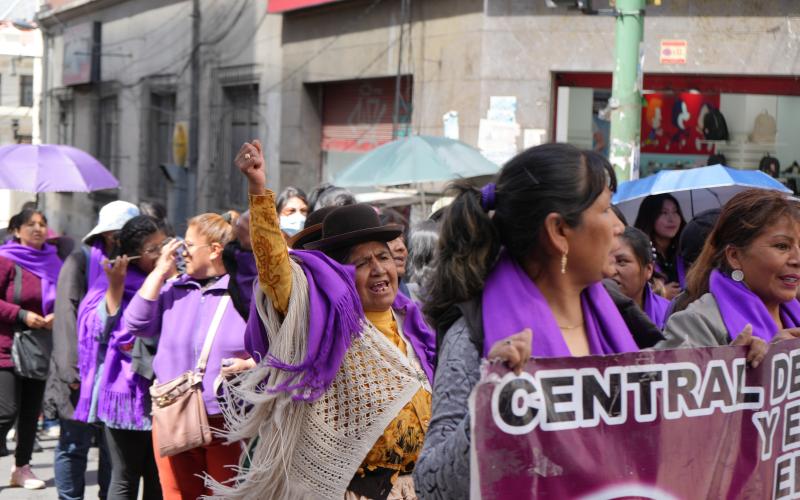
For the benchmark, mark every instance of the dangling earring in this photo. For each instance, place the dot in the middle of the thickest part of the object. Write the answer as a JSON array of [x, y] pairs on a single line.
[[737, 275], [564, 263]]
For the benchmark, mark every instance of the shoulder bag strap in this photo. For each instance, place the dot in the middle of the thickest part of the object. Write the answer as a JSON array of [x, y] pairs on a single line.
[[17, 284], [212, 332]]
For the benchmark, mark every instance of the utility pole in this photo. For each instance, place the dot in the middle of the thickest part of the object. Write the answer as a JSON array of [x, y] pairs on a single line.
[[194, 112], [626, 90]]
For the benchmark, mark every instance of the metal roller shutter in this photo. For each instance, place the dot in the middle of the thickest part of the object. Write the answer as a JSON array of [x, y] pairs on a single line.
[[357, 115]]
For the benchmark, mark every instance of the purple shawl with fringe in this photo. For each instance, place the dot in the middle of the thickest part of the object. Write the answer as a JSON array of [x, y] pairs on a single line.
[[124, 395], [738, 306], [512, 302], [335, 316], [44, 263], [89, 328], [655, 306], [121, 396]]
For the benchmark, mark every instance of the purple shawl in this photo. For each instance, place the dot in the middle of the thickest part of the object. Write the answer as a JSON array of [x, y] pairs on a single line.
[[512, 302], [44, 263], [88, 328], [335, 316], [124, 397], [681, 266], [94, 268], [93, 350], [739, 306], [655, 306], [422, 338], [246, 274]]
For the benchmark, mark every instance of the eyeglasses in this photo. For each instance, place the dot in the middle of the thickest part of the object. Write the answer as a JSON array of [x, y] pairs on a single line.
[[191, 247]]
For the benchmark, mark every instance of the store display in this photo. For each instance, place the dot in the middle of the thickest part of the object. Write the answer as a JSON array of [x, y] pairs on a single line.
[[674, 123], [714, 126], [765, 129]]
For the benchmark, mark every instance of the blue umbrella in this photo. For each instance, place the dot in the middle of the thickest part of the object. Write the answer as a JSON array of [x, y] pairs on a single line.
[[696, 189], [416, 159]]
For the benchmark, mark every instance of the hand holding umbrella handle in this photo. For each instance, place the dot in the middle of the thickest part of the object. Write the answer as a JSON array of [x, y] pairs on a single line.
[[250, 161]]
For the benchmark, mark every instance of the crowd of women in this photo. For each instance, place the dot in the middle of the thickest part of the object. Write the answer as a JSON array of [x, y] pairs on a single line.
[[335, 363]]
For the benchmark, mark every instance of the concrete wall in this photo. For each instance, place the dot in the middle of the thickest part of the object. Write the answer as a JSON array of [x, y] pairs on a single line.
[[147, 46], [465, 52], [460, 53], [354, 40]]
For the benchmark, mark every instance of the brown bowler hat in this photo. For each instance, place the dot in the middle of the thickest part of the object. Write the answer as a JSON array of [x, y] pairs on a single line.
[[353, 224], [312, 230]]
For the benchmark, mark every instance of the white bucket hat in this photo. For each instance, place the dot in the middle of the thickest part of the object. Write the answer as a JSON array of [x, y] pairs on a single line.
[[112, 217]]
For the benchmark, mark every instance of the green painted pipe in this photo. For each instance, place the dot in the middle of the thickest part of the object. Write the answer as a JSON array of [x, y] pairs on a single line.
[[626, 91]]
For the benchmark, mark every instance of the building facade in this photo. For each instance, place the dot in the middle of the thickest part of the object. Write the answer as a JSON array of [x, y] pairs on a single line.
[[118, 84], [519, 73], [20, 75], [322, 82]]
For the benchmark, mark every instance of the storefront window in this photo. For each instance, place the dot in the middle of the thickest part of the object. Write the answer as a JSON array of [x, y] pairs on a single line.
[[688, 120]]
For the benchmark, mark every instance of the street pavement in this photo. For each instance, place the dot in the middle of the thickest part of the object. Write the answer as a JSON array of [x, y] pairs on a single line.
[[42, 465]]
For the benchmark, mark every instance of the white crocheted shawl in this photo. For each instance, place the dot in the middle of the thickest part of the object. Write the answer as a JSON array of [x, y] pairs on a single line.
[[313, 450]]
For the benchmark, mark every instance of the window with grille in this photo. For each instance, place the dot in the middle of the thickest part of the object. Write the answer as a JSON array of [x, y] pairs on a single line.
[[108, 149], [26, 90], [65, 121], [240, 122], [162, 124]]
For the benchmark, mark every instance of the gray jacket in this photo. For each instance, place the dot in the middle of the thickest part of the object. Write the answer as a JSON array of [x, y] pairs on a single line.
[[699, 325], [442, 470]]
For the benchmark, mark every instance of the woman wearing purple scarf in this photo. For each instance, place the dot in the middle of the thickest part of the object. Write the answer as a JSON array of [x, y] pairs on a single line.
[[633, 270], [20, 396], [111, 391], [181, 313], [518, 273], [746, 277], [340, 401]]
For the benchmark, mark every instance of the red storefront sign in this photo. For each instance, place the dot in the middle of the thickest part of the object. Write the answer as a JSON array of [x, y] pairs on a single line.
[[276, 6]]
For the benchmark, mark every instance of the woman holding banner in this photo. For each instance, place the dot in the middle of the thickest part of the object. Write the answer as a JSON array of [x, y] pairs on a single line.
[[524, 255], [746, 277]]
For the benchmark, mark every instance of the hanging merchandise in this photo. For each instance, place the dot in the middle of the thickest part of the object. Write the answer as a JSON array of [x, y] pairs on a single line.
[[764, 129], [792, 173], [714, 126], [770, 165], [674, 123]]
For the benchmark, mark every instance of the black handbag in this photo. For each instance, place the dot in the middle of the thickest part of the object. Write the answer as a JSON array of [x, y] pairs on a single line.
[[32, 348]]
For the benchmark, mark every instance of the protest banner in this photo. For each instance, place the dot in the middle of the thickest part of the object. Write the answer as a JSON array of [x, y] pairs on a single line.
[[684, 423]]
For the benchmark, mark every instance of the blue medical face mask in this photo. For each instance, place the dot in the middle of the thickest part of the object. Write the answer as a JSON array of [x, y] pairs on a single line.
[[292, 224]]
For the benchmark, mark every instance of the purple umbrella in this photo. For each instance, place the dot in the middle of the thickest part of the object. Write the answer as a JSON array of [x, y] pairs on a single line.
[[50, 168]]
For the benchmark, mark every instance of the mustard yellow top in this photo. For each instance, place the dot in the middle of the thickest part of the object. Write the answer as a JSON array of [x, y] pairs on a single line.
[[399, 446]]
